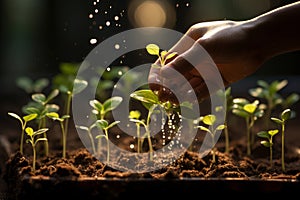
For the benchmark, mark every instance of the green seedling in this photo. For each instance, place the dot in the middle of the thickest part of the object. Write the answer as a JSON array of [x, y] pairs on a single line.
[[101, 110], [135, 115], [24, 120], [211, 120], [163, 56], [284, 116], [55, 116], [30, 86], [269, 142], [105, 126], [146, 125], [41, 105], [89, 132], [270, 93], [33, 141], [228, 100], [250, 111]]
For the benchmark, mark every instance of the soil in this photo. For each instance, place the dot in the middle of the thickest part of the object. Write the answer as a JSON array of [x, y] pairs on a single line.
[[82, 175]]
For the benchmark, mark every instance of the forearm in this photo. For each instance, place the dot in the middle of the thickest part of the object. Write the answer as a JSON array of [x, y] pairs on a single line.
[[277, 31]]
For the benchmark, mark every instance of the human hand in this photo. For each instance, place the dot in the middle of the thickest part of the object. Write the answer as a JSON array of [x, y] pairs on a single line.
[[206, 51]]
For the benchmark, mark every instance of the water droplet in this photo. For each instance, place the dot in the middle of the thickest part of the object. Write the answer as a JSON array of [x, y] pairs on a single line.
[[100, 27], [120, 73], [117, 46], [177, 5], [118, 136], [96, 10], [93, 41], [131, 146], [108, 69], [91, 16], [187, 4], [107, 23], [116, 18]]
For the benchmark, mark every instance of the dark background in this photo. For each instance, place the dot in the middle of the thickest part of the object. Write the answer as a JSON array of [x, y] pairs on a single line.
[[38, 35]]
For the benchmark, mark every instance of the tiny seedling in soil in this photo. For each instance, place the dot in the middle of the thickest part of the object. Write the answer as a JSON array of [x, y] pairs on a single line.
[[250, 112], [284, 116], [269, 142], [24, 120], [33, 141], [135, 115], [211, 120], [55, 116]]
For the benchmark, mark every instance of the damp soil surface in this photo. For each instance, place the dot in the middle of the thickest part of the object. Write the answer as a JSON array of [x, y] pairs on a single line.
[[82, 175]]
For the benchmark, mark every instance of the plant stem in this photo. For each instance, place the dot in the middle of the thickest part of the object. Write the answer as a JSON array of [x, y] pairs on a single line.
[[66, 126], [282, 146], [226, 137], [22, 140], [64, 139], [248, 137], [34, 158], [92, 141], [138, 133]]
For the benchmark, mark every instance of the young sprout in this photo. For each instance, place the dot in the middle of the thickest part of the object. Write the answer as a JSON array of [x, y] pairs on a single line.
[[33, 141], [89, 131], [229, 105], [24, 120], [285, 115], [250, 112], [146, 125], [135, 115], [105, 126], [270, 93], [269, 142], [31, 86], [40, 105], [163, 56], [55, 116], [211, 120]]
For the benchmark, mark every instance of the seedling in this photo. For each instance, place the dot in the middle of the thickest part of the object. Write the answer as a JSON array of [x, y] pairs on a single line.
[[89, 132], [269, 142], [32, 86], [100, 110], [40, 105], [55, 116], [270, 93], [284, 116], [250, 112], [211, 120], [24, 120], [229, 105], [163, 56], [135, 115], [33, 141], [105, 126]]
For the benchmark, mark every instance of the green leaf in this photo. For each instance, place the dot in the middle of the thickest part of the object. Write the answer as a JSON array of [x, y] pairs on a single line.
[[30, 117], [240, 113], [25, 83], [209, 119], [171, 55], [15, 116], [52, 95], [40, 131], [277, 121], [291, 99], [79, 85], [257, 92], [39, 97], [153, 49], [273, 132], [240, 101], [203, 128], [96, 105], [145, 95], [29, 131], [102, 123], [265, 143], [263, 84], [286, 114], [221, 127], [69, 68], [250, 108], [40, 84], [52, 115], [263, 134], [134, 114], [112, 103], [52, 108]]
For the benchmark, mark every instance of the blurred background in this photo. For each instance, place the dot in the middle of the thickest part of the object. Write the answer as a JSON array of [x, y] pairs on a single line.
[[36, 36]]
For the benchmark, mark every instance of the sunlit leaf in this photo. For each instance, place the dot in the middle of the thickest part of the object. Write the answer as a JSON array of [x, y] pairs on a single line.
[[152, 49]]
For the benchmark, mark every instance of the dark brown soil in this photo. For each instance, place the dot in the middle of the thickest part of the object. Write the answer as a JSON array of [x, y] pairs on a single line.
[[81, 175]]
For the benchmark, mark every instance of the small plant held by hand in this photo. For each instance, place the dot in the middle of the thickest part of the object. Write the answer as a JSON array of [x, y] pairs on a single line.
[[269, 142], [24, 120], [285, 115], [33, 141]]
